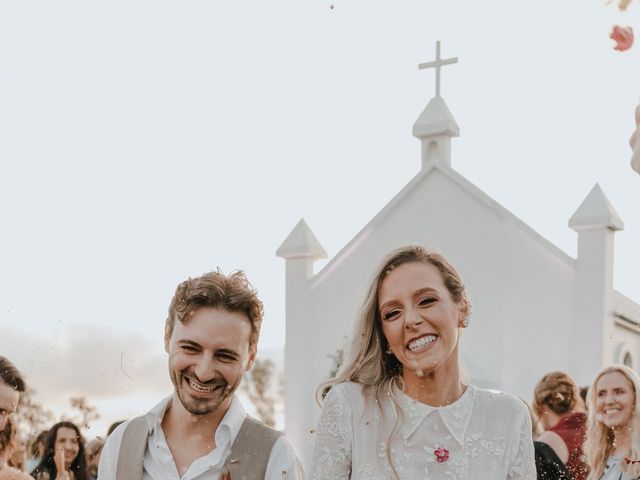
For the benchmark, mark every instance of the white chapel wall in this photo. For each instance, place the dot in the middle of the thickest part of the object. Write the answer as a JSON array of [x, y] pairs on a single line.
[[522, 288], [522, 292]]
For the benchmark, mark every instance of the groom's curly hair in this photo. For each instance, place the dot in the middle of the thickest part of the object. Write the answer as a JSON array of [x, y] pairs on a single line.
[[231, 292]]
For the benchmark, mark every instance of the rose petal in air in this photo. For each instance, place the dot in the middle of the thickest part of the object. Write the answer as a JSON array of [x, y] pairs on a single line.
[[623, 36]]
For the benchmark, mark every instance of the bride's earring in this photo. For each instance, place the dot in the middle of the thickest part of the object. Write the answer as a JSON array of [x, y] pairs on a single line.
[[467, 319]]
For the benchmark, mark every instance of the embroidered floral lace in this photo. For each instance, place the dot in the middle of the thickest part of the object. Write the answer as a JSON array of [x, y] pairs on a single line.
[[486, 435]]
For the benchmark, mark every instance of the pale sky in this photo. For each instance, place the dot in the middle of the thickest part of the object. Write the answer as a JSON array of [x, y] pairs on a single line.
[[145, 142]]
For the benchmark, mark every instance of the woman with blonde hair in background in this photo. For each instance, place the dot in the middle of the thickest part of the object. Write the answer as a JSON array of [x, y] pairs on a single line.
[[613, 426], [558, 405], [398, 407]]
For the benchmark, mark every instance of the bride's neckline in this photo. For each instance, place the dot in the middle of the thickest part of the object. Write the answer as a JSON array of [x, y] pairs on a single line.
[[467, 391]]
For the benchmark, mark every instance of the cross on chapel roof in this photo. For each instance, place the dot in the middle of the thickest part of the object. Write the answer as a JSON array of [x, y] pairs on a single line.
[[438, 64], [436, 126]]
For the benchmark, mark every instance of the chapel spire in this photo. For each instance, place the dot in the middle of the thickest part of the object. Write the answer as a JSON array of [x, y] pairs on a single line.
[[436, 126], [596, 222]]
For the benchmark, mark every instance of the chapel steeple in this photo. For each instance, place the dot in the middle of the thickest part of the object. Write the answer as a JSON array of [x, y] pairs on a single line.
[[436, 126], [596, 222]]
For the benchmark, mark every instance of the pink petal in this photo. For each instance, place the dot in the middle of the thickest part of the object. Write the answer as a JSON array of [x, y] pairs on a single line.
[[623, 36]]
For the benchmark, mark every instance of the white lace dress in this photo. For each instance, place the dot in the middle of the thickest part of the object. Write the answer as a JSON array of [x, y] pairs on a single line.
[[483, 435]]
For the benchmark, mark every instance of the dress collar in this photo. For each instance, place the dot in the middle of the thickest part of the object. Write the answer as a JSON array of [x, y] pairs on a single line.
[[455, 416]]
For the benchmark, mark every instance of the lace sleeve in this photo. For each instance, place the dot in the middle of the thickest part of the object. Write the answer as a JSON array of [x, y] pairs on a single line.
[[522, 464], [333, 438]]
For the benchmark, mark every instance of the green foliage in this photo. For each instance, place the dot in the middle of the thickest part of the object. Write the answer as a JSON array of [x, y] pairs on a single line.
[[264, 390], [86, 414], [31, 417]]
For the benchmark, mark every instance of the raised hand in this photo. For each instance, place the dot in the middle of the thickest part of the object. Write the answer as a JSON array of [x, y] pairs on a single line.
[[62, 474]]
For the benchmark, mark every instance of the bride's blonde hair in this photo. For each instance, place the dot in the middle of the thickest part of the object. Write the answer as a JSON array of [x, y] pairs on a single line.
[[598, 445], [365, 360]]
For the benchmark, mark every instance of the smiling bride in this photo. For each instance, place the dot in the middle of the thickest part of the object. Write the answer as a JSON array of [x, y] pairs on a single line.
[[397, 407]]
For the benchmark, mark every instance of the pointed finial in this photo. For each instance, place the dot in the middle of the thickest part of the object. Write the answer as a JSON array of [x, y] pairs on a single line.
[[301, 243], [596, 212]]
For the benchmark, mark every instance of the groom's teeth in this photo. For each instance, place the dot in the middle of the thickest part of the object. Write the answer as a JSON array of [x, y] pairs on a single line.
[[421, 342], [199, 387]]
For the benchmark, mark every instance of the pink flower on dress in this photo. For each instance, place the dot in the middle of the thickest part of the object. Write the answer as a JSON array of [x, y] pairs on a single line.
[[442, 454], [623, 36]]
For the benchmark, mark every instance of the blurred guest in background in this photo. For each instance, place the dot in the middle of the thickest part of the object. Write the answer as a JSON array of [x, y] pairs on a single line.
[[64, 456], [18, 458], [113, 426], [93, 449], [36, 450], [558, 404], [8, 437], [548, 465], [613, 434], [11, 384]]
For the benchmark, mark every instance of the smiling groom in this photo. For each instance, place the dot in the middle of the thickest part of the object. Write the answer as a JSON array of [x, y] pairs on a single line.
[[201, 431]]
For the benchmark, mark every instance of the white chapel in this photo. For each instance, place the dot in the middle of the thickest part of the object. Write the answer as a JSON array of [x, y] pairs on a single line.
[[521, 285]]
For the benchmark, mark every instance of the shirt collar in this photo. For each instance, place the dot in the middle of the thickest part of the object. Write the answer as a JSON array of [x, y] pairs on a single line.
[[234, 418], [231, 422], [155, 415], [455, 416]]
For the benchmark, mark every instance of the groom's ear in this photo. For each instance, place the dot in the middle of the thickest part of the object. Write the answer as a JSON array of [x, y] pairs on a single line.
[[253, 351], [167, 335]]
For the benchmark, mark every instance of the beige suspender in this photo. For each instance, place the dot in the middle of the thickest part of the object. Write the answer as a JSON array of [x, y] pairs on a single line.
[[247, 461], [250, 451], [131, 454]]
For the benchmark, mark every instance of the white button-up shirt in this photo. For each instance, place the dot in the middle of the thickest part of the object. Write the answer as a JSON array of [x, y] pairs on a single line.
[[159, 465], [482, 435]]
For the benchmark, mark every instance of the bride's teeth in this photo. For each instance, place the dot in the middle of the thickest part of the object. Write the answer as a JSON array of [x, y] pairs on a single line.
[[421, 342]]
